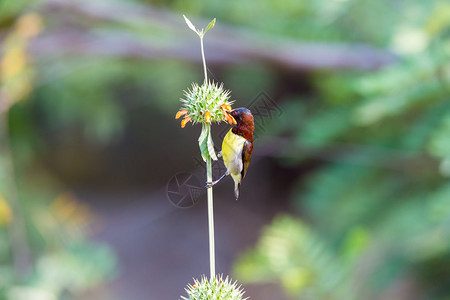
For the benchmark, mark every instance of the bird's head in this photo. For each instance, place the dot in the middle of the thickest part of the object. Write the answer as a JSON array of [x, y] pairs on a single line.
[[243, 117]]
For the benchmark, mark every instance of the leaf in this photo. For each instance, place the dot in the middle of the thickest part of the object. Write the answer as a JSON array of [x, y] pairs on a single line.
[[206, 144], [211, 150], [290, 251], [203, 134], [210, 25], [189, 23], [202, 143]]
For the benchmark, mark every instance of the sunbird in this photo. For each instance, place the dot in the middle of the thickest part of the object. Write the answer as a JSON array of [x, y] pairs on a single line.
[[237, 147]]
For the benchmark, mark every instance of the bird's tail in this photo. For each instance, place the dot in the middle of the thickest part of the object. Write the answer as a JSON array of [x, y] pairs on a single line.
[[237, 186], [237, 183]]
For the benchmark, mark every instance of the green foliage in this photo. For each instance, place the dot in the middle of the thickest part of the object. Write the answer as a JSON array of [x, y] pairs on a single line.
[[64, 272], [290, 252], [339, 21], [375, 206], [10, 9], [64, 261]]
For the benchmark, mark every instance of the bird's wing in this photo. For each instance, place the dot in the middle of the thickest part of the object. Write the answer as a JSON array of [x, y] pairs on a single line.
[[247, 150]]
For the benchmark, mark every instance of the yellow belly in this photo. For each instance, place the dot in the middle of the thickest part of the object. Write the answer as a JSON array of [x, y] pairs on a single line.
[[232, 153]]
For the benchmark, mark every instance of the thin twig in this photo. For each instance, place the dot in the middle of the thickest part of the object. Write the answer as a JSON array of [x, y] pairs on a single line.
[[204, 61], [212, 255]]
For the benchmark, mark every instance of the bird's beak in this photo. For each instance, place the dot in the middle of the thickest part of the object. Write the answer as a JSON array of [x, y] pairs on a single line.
[[230, 118]]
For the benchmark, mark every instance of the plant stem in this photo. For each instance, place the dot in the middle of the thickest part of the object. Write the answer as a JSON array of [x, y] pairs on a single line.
[[212, 257], [204, 61]]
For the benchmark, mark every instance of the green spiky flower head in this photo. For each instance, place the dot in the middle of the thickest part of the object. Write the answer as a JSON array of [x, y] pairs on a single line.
[[207, 103], [215, 289]]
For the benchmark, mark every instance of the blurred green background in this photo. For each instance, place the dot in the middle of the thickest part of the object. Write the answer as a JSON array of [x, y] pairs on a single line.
[[348, 193]]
